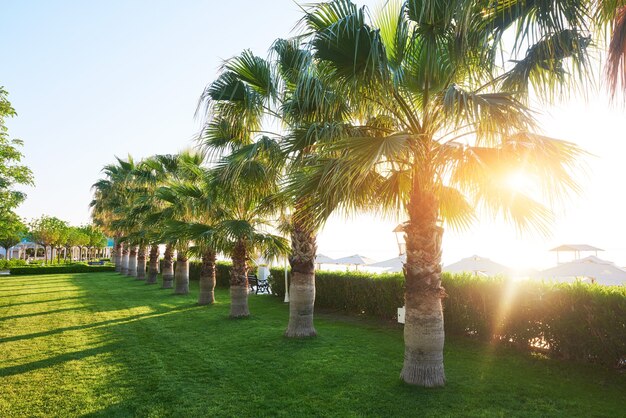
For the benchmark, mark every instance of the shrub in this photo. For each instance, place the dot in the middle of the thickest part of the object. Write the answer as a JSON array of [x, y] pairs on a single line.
[[7, 264], [572, 321], [58, 269]]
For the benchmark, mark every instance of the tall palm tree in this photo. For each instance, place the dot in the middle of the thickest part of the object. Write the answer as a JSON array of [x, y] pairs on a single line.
[[435, 127], [187, 169], [289, 89], [111, 198]]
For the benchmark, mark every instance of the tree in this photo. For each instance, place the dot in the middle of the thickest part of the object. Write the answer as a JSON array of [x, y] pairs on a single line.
[[47, 231], [435, 127], [76, 237], [111, 199], [12, 233], [292, 90], [12, 173]]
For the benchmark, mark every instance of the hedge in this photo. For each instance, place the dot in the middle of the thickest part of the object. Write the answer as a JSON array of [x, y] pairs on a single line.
[[58, 269], [572, 321]]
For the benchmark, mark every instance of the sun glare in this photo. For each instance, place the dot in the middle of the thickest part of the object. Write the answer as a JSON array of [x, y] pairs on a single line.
[[518, 181]]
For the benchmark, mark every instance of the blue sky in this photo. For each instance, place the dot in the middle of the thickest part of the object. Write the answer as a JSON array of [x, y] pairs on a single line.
[[91, 80]]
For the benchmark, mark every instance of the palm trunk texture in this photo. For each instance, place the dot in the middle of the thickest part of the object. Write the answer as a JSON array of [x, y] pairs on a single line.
[[207, 278], [125, 258], [239, 283], [181, 275], [302, 286], [141, 263], [115, 253], [168, 267], [132, 262], [423, 329], [153, 265]]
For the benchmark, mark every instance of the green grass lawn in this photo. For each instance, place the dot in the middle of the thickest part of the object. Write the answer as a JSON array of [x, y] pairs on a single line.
[[101, 344]]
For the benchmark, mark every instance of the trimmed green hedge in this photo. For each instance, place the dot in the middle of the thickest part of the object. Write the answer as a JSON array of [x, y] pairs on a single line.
[[571, 321], [58, 269]]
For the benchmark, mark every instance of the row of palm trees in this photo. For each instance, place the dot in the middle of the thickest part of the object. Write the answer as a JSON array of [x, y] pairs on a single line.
[[417, 112]]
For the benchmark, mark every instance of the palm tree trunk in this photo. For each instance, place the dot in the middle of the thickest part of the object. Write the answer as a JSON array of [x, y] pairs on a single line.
[[239, 283], [181, 274], [141, 263], [118, 256], [153, 264], [132, 262], [168, 267], [423, 328], [125, 258], [302, 287], [207, 278]]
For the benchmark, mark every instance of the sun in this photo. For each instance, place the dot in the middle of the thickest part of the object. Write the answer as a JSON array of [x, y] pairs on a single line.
[[519, 181]]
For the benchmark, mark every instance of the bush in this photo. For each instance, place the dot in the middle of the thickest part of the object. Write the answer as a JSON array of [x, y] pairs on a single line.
[[7, 264], [572, 321], [60, 268]]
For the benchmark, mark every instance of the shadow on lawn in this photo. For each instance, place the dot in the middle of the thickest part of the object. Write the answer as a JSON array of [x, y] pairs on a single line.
[[94, 325], [54, 361], [71, 298], [28, 315]]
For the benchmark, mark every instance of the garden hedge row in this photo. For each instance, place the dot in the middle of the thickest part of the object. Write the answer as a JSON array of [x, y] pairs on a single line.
[[59, 269], [571, 321]]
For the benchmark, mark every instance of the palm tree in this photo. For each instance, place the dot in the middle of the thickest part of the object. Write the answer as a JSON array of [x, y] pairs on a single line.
[[111, 198], [243, 230], [291, 89], [435, 128]]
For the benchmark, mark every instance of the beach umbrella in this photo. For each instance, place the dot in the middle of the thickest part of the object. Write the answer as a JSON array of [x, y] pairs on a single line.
[[599, 271], [322, 259], [355, 260], [479, 266], [393, 265]]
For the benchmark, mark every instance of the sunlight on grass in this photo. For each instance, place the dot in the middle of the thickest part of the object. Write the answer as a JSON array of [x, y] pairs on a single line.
[[110, 346]]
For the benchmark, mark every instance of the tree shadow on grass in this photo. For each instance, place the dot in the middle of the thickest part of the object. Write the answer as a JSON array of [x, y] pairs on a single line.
[[100, 324], [28, 315], [53, 361], [17, 295], [43, 301]]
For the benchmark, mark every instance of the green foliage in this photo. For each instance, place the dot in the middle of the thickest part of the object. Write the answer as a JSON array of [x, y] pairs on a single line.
[[59, 269], [11, 171], [103, 345], [7, 264], [573, 321]]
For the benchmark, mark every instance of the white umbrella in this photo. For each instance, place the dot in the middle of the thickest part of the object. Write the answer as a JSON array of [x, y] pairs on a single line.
[[393, 265], [601, 271], [322, 259], [480, 266], [355, 260]]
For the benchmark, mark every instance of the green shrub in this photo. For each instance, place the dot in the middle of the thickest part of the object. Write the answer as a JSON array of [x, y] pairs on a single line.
[[58, 269], [572, 321], [7, 264]]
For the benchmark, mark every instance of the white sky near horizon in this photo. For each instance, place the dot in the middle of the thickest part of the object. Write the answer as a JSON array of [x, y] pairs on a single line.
[[91, 80]]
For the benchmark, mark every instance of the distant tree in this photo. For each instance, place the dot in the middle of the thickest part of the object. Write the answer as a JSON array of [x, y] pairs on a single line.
[[11, 233], [46, 231], [11, 172], [76, 237]]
